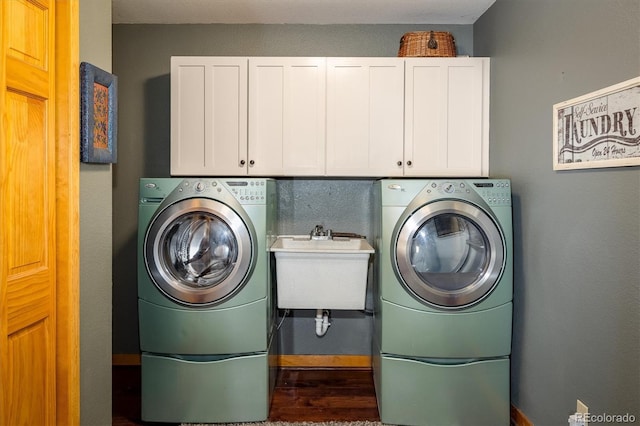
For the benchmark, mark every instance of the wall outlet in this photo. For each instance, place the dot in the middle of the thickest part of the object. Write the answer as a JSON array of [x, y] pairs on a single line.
[[582, 409]]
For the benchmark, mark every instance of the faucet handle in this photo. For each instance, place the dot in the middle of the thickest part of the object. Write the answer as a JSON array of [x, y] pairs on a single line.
[[318, 232]]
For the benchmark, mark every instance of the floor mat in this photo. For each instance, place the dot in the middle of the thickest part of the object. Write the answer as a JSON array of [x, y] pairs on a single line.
[[291, 424]]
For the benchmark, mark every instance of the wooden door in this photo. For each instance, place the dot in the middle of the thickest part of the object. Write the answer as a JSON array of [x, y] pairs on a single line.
[[38, 212]]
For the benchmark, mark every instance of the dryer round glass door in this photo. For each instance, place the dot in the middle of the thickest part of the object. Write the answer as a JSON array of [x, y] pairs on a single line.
[[449, 253], [199, 251]]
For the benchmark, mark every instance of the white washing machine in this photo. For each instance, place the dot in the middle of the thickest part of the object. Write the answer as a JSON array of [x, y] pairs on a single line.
[[443, 301], [205, 299]]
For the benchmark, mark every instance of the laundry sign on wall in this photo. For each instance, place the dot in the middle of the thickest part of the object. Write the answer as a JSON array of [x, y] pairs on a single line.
[[599, 129]]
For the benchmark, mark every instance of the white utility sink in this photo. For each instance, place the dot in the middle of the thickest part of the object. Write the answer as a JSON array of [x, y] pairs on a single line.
[[307, 245], [321, 273]]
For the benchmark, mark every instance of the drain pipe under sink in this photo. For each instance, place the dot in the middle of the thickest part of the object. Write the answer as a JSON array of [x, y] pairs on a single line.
[[322, 322]]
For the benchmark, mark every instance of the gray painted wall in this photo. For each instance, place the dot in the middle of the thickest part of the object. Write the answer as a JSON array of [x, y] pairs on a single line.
[[576, 325], [343, 206], [142, 62], [577, 241], [95, 241]]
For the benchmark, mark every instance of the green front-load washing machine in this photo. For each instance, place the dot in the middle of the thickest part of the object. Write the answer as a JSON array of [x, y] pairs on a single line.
[[443, 301], [205, 300]]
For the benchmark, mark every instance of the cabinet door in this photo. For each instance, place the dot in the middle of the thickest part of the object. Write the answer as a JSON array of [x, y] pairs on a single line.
[[286, 116], [446, 116], [365, 116], [208, 116]]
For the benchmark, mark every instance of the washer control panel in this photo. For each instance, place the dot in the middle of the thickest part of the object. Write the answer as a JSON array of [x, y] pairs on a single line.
[[248, 191]]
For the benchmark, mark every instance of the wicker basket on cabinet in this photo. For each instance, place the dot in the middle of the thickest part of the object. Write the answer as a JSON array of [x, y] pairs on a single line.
[[427, 44]]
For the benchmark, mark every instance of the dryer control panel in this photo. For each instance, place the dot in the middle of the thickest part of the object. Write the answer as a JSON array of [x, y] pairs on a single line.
[[494, 192]]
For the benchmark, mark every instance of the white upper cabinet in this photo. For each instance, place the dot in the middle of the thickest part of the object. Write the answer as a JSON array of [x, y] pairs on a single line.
[[287, 116], [208, 116], [299, 116], [446, 117], [365, 101]]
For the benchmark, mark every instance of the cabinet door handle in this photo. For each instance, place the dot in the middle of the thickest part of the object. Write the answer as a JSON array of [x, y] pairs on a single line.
[[251, 162], [242, 162], [409, 163], [399, 163]]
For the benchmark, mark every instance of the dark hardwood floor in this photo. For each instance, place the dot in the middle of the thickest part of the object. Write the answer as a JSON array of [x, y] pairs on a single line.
[[301, 395]]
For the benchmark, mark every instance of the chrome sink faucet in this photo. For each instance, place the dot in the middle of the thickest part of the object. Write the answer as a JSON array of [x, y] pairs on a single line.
[[319, 233]]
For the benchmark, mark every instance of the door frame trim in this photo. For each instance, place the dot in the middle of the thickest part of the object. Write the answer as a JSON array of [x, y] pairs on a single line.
[[67, 101]]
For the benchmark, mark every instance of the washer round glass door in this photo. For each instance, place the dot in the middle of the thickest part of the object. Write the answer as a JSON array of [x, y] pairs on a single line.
[[449, 253], [199, 251]]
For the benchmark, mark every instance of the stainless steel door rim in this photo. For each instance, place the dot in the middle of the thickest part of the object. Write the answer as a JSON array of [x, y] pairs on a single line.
[[462, 290], [199, 251]]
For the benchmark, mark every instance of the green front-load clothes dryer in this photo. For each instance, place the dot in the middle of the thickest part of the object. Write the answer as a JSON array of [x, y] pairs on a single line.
[[205, 301], [443, 301]]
